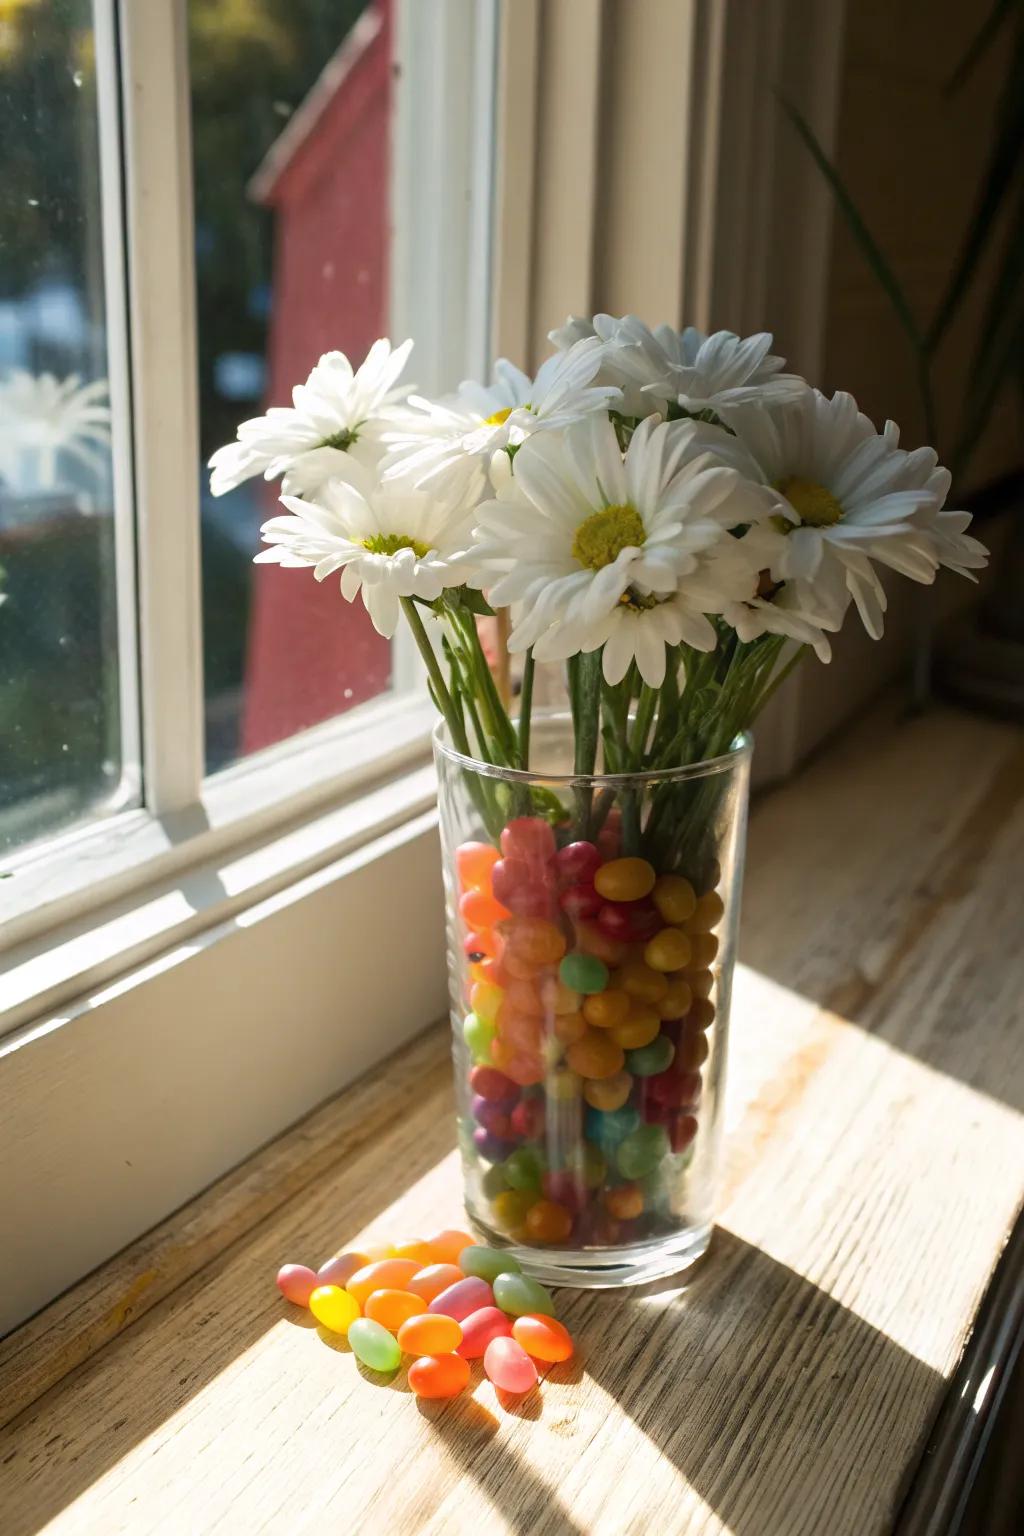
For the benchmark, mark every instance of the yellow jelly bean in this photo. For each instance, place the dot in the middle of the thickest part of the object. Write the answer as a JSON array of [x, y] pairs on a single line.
[[485, 999], [708, 913], [669, 950], [701, 983], [676, 1002], [393, 1308], [624, 880], [606, 1009], [562, 1084], [641, 981], [413, 1248], [511, 1206], [385, 1274], [642, 1026], [702, 1013], [608, 1092], [597, 1054], [703, 949], [333, 1307], [674, 897]]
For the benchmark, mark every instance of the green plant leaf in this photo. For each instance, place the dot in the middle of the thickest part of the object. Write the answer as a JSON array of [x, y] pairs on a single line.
[[979, 45]]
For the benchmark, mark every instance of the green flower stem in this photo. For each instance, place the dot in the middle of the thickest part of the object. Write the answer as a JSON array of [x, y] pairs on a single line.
[[585, 688], [525, 710]]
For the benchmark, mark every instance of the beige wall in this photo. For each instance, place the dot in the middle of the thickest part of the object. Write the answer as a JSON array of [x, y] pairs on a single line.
[[913, 161]]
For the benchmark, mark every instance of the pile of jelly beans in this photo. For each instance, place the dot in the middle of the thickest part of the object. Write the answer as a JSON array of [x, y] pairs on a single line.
[[589, 981], [445, 1300]]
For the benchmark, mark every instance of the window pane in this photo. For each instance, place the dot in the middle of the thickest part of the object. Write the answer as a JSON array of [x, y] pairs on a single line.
[[290, 112], [61, 755]]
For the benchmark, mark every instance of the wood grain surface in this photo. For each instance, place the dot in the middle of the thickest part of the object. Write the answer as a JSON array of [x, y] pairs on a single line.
[[875, 1166]]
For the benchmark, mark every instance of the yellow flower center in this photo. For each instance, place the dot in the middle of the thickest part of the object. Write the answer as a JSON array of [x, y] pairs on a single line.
[[603, 536], [391, 543], [816, 506], [499, 418]]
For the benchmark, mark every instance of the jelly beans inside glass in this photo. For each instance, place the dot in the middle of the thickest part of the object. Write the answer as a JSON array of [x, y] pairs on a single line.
[[591, 932]]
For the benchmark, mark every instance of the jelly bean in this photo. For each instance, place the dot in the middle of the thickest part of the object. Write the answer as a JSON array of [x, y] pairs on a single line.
[[543, 1338], [673, 1088], [703, 949], [473, 864], [411, 1248], [297, 1282], [587, 1164], [669, 950], [481, 946], [650, 1059], [556, 997], [393, 1308], [478, 1035], [596, 1055], [606, 1009], [339, 1271], [642, 981], [692, 1051], [628, 920], [522, 1031], [509, 1367], [674, 897], [375, 1252], [485, 1263], [429, 1333], [681, 1131], [479, 1328], [492, 971], [641, 1151], [534, 940], [548, 1222], [676, 1002], [608, 1092], [511, 1207], [433, 1279], [382, 1274], [479, 910], [527, 1119], [563, 1187], [492, 1181], [577, 863], [624, 1203], [524, 996], [639, 1030], [607, 1127], [442, 1375], [568, 1027], [625, 879], [701, 983], [462, 1298], [580, 901], [591, 941], [583, 973], [334, 1308], [493, 1149], [492, 1084], [448, 1244], [709, 911], [516, 967], [374, 1345], [701, 1014], [529, 838], [519, 1294], [485, 999], [494, 1118], [526, 1070], [523, 1168]]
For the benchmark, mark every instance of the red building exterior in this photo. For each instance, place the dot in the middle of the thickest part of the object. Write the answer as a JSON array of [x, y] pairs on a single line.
[[327, 178]]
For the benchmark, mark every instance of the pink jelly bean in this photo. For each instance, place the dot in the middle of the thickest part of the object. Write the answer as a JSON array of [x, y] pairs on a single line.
[[529, 838], [489, 1083], [338, 1271], [577, 863], [527, 1119], [479, 1328], [507, 1364], [580, 901], [462, 1298], [297, 1282]]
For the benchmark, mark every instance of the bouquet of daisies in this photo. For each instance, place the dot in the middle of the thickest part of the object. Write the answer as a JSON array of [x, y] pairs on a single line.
[[670, 515]]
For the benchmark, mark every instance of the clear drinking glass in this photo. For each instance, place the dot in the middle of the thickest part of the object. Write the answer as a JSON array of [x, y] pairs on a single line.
[[591, 938]]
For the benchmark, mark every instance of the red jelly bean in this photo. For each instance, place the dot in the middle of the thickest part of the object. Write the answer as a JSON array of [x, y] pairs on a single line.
[[439, 1375], [673, 1089], [530, 838], [629, 920], [681, 1131], [577, 863], [507, 1364], [463, 1298], [528, 1119], [297, 1283], [580, 901], [491, 1084], [479, 1328], [566, 1188]]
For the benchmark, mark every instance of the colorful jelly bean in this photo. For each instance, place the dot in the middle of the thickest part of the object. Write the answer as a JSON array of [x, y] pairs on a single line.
[[297, 1282], [429, 1333], [702, 983], [527, 1118], [701, 1014], [640, 1151], [433, 1279], [543, 1338], [479, 1328], [650, 1059], [625, 879], [564, 1187], [692, 1051], [383, 1274], [529, 838], [462, 1298], [608, 1128], [374, 1345], [412, 1248], [547, 1222], [493, 1149], [448, 1244], [580, 901], [340, 1270], [583, 973], [489, 1083], [393, 1308], [642, 981], [523, 1168], [591, 941], [577, 863], [442, 1375], [509, 1367], [535, 941], [681, 1131], [624, 1203], [708, 913], [486, 1263], [563, 1084], [639, 1030], [473, 865], [519, 1294], [510, 1208], [677, 1000], [334, 1308], [595, 1055], [674, 897], [606, 1009], [669, 950], [703, 949], [480, 910], [608, 1092], [568, 1027]]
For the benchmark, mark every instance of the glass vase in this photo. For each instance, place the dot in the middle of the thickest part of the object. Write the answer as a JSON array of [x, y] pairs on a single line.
[[591, 937]]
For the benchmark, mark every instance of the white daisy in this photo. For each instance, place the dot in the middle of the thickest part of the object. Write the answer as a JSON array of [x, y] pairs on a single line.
[[44, 415], [336, 415], [388, 540], [698, 372], [583, 534], [480, 420], [947, 529], [794, 609]]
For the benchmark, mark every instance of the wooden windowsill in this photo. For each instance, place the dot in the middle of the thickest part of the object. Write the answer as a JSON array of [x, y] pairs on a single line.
[[875, 1168]]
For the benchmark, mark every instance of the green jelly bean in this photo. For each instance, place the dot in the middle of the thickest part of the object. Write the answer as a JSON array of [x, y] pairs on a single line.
[[487, 1263], [519, 1295], [640, 1153], [584, 973], [374, 1345], [587, 1161], [478, 1035], [524, 1168], [646, 1060], [494, 1181]]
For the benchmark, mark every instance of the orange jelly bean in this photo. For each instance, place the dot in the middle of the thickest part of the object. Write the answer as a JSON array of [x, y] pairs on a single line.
[[474, 864], [606, 1009], [524, 996], [447, 1245], [557, 997], [596, 1055], [641, 981], [534, 940], [412, 1248], [393, 1308], [548, 1222], [439, 1375], [642, 1026], [569, 1027], [592, 941], [701, 1014], [703, 949], [433, 1279], [543, 1338], [701, 983], [383, 1274], [521, 1031], [676, 1002], [624, 1203], [430, 1333], [608, 1092], [479, 910]]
